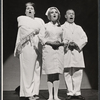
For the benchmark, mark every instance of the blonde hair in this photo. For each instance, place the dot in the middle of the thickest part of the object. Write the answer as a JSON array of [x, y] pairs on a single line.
[[48, 12], [49, 16]]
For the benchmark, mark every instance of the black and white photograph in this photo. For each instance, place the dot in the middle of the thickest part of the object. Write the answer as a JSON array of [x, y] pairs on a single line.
[[49, 50]]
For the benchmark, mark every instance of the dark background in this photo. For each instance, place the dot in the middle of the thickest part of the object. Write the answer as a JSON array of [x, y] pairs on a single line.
[[86, 16]]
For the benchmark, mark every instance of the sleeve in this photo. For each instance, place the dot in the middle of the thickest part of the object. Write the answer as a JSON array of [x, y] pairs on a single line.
[[64, 35], [42, 33], [83, 39], [17, 41]]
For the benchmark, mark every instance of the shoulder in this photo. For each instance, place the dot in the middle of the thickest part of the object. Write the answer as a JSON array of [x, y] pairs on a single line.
[[21, 17], [78, 26], [63, 25], [48, 24], [39, 19]]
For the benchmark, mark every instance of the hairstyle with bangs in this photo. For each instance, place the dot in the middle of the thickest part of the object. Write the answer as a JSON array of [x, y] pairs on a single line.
[[49, 16]]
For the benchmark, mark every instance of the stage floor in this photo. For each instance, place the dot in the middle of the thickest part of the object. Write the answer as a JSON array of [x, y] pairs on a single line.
[[89, 94]]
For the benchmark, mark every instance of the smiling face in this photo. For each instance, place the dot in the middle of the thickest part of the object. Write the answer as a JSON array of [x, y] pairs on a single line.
[[70, 16], [30, 11]]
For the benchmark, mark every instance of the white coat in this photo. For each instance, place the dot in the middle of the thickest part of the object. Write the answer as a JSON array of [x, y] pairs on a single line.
[[74, 33]]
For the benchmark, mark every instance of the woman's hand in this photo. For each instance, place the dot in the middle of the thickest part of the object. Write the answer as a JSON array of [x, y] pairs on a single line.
[[18, 50], [54, 44], [48, 43]]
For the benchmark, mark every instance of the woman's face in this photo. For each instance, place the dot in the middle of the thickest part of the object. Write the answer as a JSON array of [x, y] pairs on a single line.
[[54, 15], [30, 11]]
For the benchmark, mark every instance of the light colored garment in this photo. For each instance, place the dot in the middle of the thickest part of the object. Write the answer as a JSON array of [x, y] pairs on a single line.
[[74, 33], [52, 59], [73, 60], [73, 79], [29, 62]]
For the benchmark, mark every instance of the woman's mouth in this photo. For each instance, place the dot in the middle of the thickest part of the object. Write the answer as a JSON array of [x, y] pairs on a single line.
[[54, 16], [29, 12]]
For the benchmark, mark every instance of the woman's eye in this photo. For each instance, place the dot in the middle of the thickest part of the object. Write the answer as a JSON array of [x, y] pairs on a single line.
[[56, 12], [27, 8], [52, 12]]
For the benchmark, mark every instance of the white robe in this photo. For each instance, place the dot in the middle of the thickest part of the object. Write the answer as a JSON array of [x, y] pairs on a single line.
[[29, 64], [74, 33], [52, 59]]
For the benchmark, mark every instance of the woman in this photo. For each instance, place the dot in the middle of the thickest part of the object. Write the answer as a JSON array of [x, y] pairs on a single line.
[[27, 50], [53, 51]]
